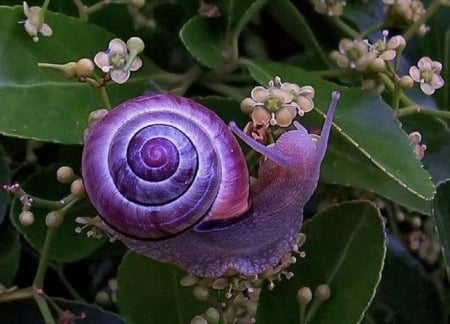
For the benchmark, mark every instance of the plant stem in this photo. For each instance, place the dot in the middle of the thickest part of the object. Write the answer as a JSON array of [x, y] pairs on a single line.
[[344, 27], [19, 294], [43, 261], [188, 79], [416, 109], [225, 89], [431, 10], [370, 30], [45, 310], [333, 73], [67, 284]]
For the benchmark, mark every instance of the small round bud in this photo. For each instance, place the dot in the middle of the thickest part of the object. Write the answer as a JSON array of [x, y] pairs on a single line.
[[212, 315], [322, 292], [112, 284], [406, 82], [135, 44], [378, 65], [199, 320], [247, 105], [102, 298], [96, 115], [304, 295], [26, 218], [138, 4], [77, 188], [423, 29], [69, 70], [65, 174], [188, 280], [53, 219], [84, 68], [416, 222], [201, 293]]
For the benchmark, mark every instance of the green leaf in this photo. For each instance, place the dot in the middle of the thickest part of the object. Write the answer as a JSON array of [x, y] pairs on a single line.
[[26, 311], [294, 23], [150, 292], [67, 245], [441, 215], [240, 12], [41, 104], [226, 108], [9, 255], [203, 39], [344, 244], [4, 178], [366, 126], [406, 294]]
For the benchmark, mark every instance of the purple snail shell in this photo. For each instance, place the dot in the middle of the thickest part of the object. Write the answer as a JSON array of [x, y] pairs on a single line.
[[169, 179]]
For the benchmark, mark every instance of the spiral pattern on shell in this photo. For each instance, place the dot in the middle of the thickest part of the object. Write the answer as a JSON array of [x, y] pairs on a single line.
[[159, 165]]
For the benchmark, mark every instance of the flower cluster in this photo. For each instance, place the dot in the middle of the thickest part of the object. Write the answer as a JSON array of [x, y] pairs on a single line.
[[120, 58], [427, 73], [333, 8], [279, 103], [387, 49], [405, 12], [354, 54], [34, 23]]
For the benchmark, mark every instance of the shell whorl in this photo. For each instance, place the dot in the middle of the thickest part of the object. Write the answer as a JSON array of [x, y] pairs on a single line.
[[158, 165]]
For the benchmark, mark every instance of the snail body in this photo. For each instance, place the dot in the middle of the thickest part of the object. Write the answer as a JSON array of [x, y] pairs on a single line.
[[168, 179]]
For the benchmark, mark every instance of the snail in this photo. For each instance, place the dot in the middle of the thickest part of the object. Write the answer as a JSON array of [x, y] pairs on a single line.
[[169, 179]]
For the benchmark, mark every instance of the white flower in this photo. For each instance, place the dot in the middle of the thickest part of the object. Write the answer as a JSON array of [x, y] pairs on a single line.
[[279, 103], [427, 73], [118, 61], [35, 22]]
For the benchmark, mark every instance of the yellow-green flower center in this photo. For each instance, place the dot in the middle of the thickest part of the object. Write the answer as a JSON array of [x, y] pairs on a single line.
[[273, 104]]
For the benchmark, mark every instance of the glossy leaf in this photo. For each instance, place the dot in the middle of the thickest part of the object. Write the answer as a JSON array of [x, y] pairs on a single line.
[[9, 255], [226, 108], [67, 245], [240, 12], [149, 292], [26, 311], [4, 178], [441, 215], [202, 38], [344, 244], [406, 294], [41, 104], [369, 128]]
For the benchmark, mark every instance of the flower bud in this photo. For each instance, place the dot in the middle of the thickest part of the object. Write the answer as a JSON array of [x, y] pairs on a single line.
[[54, 219], [304, 295], [26, 218], [378, 65], [247, 105], [198, 320], [84, 68], [96, 115], [77, 188], [65, 174], [138, 4], [406, 82], [212, 315], [188, 280], [201, 293], [322, 292], [135, 45]]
